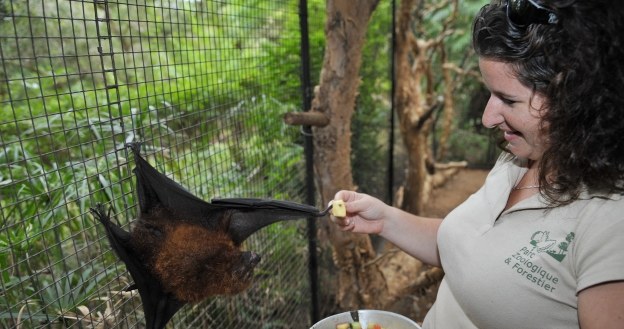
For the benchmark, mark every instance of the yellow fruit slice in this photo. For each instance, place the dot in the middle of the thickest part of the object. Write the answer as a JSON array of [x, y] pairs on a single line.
[[338, 209]]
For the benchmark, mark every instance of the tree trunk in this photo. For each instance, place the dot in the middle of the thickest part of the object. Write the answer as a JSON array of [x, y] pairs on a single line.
[[360, 282], [413, 108], [364, 278]]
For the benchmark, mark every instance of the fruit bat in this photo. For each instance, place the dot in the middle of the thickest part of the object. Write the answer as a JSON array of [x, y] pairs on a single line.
[[183, 249]]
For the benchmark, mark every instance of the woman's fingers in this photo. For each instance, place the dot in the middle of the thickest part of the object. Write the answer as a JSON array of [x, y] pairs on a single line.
[[344, 223]]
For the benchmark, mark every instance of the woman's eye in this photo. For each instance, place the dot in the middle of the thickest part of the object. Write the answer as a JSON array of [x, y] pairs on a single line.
[[507, 101]]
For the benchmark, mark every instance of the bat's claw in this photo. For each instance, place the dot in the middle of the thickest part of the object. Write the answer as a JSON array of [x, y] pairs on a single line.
[[134, 146], [100, 212], [326, 211]]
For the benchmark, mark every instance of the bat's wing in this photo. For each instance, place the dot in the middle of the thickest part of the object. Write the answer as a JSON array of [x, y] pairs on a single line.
[[253, 214], [158, 306], [154, 190]]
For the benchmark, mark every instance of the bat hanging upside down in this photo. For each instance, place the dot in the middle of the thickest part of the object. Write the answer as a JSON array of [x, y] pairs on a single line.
[[183, 249]]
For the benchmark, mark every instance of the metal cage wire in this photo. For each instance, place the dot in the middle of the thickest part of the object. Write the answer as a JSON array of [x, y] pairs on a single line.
[[202, 84]]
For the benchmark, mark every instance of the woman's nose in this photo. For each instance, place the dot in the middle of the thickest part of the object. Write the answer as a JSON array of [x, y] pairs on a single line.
[[491, 114]]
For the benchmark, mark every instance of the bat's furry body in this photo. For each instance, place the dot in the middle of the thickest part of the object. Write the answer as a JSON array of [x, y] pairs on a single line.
[[183, 249]]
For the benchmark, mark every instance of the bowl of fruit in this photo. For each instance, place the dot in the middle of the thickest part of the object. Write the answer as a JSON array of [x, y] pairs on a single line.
[[366, 319]]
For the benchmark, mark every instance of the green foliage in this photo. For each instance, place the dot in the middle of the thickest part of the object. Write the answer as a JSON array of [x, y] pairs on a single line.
[[200, 86], [469, 146], [204, 86]]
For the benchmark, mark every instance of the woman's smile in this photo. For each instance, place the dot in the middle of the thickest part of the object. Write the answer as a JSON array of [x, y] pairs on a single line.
[[513, 108]]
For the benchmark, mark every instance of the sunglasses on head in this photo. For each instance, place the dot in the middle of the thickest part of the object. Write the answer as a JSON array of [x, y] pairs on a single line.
[[525, 12]]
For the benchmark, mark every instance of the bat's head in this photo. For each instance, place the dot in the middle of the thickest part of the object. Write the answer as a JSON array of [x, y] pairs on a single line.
[[195, 263]]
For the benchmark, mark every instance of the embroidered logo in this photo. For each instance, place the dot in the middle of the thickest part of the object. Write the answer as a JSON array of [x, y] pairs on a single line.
[[556, 249], [526, 263]]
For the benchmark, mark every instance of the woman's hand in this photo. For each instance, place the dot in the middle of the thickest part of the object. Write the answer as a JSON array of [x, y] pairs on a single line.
[[413, 234], [365, 214]]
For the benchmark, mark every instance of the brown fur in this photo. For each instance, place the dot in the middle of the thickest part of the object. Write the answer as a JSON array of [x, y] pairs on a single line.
[[191, 261]]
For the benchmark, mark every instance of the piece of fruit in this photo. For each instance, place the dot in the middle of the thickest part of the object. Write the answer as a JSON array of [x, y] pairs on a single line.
[[338, 209]]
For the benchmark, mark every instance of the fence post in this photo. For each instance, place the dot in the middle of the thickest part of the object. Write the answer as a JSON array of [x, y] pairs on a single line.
[[306, 89]]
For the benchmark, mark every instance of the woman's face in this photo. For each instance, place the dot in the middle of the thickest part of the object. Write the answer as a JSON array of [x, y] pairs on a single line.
[[514, 109]]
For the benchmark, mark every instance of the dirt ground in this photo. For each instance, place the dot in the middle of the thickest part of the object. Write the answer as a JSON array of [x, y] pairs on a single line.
[[454, 192], [417, 302]]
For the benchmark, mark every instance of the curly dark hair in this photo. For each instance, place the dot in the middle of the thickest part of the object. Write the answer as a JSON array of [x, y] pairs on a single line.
[[578, 65]]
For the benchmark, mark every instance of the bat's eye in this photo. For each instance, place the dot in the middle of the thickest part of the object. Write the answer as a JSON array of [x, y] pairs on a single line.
[[153, 230]]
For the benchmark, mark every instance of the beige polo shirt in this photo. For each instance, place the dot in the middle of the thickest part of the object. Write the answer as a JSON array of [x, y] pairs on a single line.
[[524, 269]]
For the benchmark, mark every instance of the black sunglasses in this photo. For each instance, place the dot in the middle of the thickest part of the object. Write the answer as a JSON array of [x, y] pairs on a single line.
[[525, 12]]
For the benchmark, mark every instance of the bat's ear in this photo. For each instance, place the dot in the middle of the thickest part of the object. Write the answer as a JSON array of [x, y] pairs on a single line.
[[158, 305]]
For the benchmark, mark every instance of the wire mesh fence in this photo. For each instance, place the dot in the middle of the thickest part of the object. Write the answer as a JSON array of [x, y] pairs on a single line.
[[203, 85]]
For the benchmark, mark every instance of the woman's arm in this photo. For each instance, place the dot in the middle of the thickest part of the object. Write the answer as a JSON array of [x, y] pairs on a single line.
[[602, 306], [413, 234]]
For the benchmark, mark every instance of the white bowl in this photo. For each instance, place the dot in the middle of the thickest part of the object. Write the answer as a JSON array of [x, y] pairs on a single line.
[[386, 319]]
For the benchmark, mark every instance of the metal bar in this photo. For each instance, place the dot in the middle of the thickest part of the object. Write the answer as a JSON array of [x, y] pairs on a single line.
[[309, 158]]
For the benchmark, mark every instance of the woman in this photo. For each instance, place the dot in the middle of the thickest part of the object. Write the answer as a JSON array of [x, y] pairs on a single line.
[[541, 244]]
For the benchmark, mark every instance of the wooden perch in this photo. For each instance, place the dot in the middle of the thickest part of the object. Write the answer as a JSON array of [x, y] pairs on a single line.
[[316, 119]]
